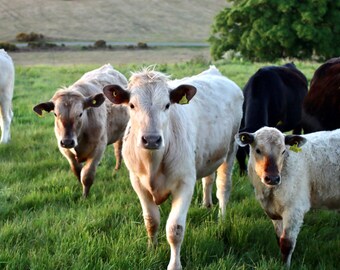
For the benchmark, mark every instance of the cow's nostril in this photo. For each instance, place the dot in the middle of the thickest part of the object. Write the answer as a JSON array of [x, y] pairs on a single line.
[[144, 140], [276, 180], [159, 140], [267, 179], [67, 143]]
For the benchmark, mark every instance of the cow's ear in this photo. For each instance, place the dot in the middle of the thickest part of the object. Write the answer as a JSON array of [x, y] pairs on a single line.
[[116, 94], [244, 138], [94, 101], [46, 106], [182, 94], [295, 140]]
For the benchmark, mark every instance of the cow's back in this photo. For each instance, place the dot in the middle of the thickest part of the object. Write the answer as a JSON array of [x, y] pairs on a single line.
[[212, 117], [320, 168], [104, 75], [6, 75], [113, 118]]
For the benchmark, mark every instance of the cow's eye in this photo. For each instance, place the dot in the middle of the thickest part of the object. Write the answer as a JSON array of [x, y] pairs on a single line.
[[80, 115], [55, 114], [258, 151], [283, 152], [132, 106], [167, 106]]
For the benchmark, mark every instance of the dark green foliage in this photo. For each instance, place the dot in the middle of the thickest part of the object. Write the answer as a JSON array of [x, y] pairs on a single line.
[[24, 37], [41, 45], [100, 44], [8, 46], [265, 30]]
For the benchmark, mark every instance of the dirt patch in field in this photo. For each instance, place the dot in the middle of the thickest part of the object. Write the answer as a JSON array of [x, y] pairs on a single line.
[[149, 56]]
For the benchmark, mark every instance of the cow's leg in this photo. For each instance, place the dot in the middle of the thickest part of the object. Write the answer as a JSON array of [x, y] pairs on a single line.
[[88, 172], [223, 183], [207, 183], [6, 115], [278, 229], [118, 153], [75, 166], [87, 176], [175, 225], [151, 213], [223, 179], [291, 228]]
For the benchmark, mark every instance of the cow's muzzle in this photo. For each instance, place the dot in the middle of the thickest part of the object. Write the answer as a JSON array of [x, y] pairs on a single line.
[[151, 141], [271, 180], [67, 143]]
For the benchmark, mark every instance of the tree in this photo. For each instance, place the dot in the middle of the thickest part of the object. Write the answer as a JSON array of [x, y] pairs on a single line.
[[265, 30]]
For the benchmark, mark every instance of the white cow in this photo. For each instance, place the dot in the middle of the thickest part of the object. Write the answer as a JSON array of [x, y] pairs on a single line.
[[83, 126], [7, 74], [168, 145], [289, 180]]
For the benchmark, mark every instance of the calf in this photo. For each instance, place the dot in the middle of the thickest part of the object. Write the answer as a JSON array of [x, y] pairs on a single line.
[[272, 97], [289, 180], [83, 127], [168, 145], [321, 106], [7, 74]]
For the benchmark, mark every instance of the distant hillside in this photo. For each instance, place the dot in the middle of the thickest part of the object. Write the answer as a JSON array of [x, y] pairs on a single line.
[[110, 20]]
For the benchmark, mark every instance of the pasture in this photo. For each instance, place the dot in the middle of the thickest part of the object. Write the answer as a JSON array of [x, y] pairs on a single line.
[[46, 224]]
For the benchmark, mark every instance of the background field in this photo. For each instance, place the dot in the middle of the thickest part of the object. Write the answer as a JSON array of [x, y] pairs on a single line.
[[111, 20], [46, 224]]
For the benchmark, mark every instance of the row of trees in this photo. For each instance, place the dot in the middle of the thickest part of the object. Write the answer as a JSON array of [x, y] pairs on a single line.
[[265, 30]]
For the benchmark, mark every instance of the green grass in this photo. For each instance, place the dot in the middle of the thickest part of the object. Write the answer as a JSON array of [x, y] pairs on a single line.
[[46, 224]]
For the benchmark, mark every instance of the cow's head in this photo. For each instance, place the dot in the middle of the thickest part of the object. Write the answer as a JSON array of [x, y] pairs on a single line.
[[149, 98], [268, 148], [68, 108]]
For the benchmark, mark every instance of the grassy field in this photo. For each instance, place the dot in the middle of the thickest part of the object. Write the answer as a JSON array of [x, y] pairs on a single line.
[[46, 224]]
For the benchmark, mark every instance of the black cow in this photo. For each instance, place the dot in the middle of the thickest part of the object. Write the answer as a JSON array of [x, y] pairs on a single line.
[[321, 106], [273, 97]]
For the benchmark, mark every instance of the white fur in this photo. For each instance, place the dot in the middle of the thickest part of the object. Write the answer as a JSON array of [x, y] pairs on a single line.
[[198, 139], [309, 179], [7, 73]]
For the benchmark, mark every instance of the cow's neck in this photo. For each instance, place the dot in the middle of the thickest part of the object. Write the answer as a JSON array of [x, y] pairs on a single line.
[[152, 161], [154, 178]]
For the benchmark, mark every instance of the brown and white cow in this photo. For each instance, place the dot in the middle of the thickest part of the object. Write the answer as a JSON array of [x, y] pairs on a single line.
[[7, 74], [168, 144], [86, 122], [289, 180]]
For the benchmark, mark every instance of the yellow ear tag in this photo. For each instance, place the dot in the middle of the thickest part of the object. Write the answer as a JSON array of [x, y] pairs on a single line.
[[184, 100], [94, 102], [295, 148]]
